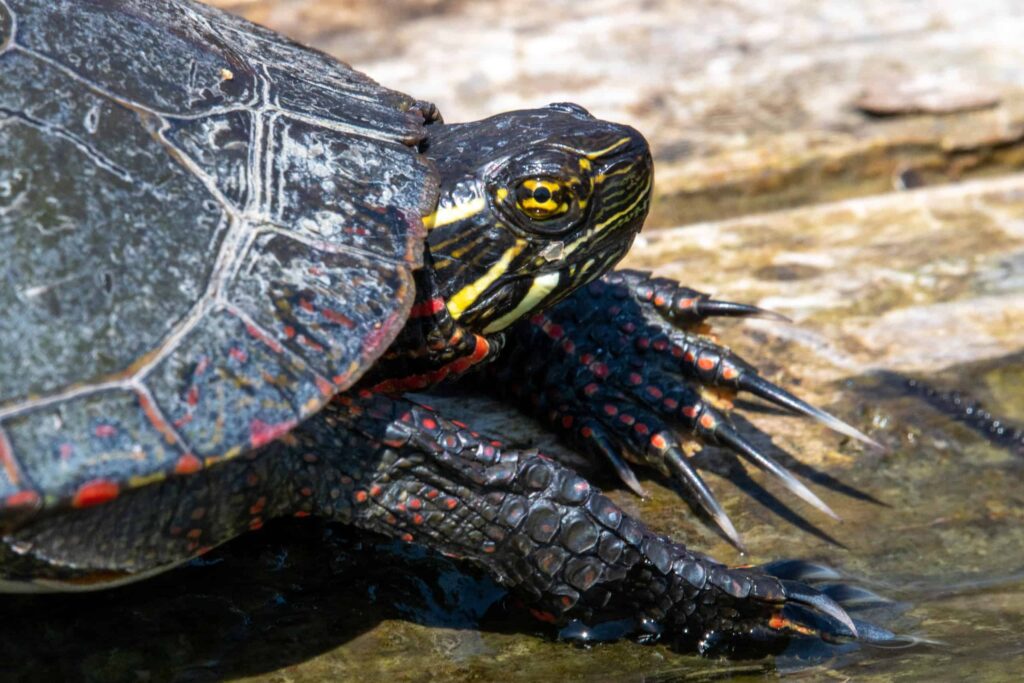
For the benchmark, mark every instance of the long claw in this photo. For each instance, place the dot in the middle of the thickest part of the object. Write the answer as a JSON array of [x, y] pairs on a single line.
[[677, 462], [731, 438], [731, 309], [762, 388], [625, 472], [802, 594]]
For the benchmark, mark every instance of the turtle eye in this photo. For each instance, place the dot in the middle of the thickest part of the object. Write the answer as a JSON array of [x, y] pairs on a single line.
[[542, 198]]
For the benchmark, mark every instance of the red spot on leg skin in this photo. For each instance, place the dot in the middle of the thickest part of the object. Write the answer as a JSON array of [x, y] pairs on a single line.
[[261, 433], [95, 492], [188, 464]]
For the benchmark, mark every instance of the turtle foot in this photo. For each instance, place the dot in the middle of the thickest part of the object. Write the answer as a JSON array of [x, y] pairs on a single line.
[[627, 371], [575, 558]]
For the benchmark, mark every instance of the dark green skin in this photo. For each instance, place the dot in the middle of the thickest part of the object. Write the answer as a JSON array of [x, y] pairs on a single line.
[[205, 272]]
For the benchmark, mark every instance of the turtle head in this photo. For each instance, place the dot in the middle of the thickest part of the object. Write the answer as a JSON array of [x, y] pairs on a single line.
[[532, 205]]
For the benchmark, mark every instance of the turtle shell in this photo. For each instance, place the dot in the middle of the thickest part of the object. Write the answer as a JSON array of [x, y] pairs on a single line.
[[207, 231]]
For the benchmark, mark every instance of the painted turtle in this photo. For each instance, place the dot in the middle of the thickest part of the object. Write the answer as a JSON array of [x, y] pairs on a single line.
[[228, 256]]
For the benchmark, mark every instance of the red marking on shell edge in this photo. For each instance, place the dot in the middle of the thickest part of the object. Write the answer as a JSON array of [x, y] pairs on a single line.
[[22, 499], [546, 617], [188, 464], [262, 433], [238, 354], [95, 492], [325, 387]]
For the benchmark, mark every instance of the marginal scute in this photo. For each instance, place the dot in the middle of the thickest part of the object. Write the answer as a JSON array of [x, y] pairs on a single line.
[[108, 435]]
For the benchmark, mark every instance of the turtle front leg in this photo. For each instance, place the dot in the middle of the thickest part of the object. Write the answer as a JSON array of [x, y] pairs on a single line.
[[402, 470], [625, 369]]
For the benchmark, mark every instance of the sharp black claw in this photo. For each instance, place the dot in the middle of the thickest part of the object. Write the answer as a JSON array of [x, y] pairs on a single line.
[[625, 473], [684, 471], [731, 438], [621, 467], [730, 309], [802, 594], [758, 386]]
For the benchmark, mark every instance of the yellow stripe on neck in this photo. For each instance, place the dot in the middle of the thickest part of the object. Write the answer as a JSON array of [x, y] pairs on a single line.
[[466, 296], [450, 214], [541, 287]]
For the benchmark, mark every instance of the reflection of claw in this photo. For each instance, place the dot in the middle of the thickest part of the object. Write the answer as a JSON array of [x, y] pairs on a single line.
[[762, 388], [726, 435]]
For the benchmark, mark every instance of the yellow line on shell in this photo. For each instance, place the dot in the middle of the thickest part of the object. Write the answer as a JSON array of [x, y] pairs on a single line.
[[458, 304], [541, 287], [449, 214]]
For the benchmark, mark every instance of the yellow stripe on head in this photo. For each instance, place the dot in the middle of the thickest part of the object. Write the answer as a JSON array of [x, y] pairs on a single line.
[[541, 287], [450, 214], [466, 296]]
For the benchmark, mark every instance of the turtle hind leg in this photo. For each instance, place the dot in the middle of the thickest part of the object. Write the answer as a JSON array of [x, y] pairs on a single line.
[[570, 553]]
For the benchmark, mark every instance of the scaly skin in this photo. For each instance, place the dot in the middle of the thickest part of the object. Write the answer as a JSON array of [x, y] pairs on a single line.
[[399, 469], [625, 367]]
